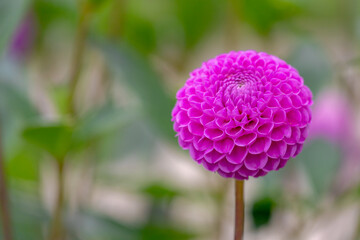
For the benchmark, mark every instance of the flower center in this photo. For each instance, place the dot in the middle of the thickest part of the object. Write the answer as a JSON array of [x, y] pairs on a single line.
[[241, 84], [237, 87]]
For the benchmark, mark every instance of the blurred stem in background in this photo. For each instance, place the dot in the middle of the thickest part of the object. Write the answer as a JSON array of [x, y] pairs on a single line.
[[116, 19], [231, 36], [239, 210], [57, 229], [78, 53], [5, 208], [357, 232]]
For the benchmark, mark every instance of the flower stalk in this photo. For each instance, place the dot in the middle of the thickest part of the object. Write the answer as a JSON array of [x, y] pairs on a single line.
[[239, 209]]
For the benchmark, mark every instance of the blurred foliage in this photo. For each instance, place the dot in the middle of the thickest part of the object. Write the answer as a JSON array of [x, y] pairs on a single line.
[[197, 17], [159, 225], [160, 191], [321, 160], [263, 15], [93, 226], [66, 138], [60, 136], [262, 210], [50, 12], [13, 99], [311, 61], [144, 81], [137, 50], [99, 123], [26, 157], [153, 232], [136, 137], [28, 216]]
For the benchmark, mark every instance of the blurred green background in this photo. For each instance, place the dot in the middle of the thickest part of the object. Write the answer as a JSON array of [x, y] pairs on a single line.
[[86, 92]]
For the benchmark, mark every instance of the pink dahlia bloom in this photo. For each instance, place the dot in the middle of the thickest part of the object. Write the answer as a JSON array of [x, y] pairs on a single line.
[[243, 114]]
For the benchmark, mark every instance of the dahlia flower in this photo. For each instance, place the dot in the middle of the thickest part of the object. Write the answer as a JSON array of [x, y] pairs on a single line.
[[243, 114]]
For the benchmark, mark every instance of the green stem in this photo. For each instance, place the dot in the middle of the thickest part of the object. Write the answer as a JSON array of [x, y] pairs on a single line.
[[239, 210], [57, 230], [79, 47], [4, 204], [231, 26]]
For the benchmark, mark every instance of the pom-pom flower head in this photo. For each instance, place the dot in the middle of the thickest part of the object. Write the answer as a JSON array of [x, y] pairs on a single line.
[[243, 114]]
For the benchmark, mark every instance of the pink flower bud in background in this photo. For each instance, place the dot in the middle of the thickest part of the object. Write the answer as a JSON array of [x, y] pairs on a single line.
[[243, 114], [333, 120], [332, 117], [22, 38]]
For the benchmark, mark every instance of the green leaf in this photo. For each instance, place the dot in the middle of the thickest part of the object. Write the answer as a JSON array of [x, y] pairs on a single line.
[[61, 139], [16, 151], [160, 191], [321, 161], [262, 210], [29, 170], [11, 13], [138, 74], [55, 139]]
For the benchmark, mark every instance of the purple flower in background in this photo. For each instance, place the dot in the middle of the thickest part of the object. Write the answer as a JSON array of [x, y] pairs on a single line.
[[333, 120], [243, 114], [332, 117], [22, 38]]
